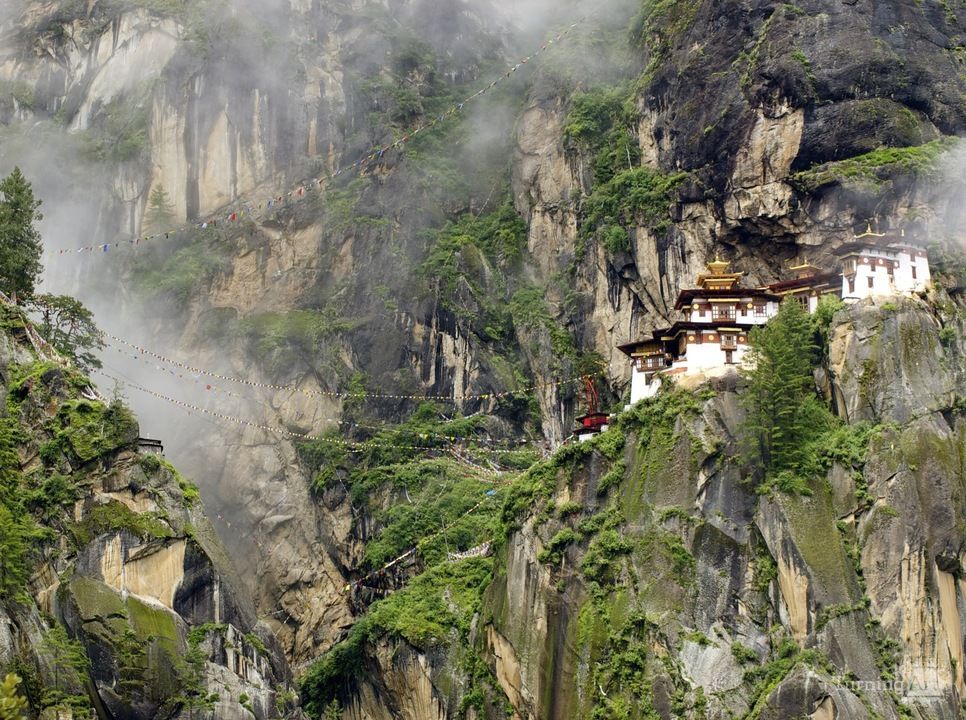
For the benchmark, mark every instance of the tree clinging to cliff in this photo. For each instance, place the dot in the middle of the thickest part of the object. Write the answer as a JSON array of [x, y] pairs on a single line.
[[781, 389], [20, 245]]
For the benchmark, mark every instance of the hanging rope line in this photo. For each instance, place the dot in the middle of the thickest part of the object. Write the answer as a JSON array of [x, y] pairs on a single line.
[[349, 445], [209, 387], [242, 209], [479, 551], [350, 395]]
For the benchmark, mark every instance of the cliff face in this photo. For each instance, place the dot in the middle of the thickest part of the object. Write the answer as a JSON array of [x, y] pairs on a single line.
[[118, 552], [678, 584], [517, 247]]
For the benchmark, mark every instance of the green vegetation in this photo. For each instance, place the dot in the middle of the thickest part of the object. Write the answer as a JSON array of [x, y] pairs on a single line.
[[632, 198], [802, 59], [625, 196], [624, 670], [117, 517], [552, 553], [602, 123], [471, 269], [438, 490], [791, 437], [14, 542], [435, 608], [122, 135], [419, 498], [159, 216], [68, 665], [12, 705], [784, 657], [529, 310], [822, 318], [743, 654], [499, 236], [89, 429], [69, 326], [17, 530], [18, 92], [190, 494], [874, 168], [303, 338], [20, 245], [658, 26], [131, 656], [194, 696], [174, 272]]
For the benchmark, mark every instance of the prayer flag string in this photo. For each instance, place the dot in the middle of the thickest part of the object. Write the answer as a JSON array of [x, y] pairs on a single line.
[[348, 445], [336, 394], [256, 209], [212, 388]]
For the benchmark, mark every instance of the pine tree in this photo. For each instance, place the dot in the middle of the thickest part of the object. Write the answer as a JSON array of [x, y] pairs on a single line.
[[67, 662], [15, 527], [14, 572], [194, 682], [20, 246], [12, 705], [780, 387], [69, 326], [131, 655], [160, 215]]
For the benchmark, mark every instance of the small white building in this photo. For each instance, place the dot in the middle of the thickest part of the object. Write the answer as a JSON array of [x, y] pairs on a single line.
[[882, 265]]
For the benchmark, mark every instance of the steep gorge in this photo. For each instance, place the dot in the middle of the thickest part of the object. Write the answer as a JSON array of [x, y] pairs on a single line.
[[759, 124]]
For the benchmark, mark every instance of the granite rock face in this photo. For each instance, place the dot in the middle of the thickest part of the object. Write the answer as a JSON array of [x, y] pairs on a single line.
[[862, 578], [128, 565], [746, 98]]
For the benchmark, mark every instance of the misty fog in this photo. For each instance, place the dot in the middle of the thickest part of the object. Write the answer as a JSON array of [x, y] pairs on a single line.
[[88, 202]]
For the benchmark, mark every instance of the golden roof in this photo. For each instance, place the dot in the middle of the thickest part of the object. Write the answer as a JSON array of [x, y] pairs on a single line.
[[804, 268], [718, 278], [869, 234]]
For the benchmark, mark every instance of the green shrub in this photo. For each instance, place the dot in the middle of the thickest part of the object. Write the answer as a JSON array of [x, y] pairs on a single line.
[[90, 429], [178, 274], [117, 517], [639, 197], [306, 338], [150, 464], [552, 553], [743, 654], [875, 167], [569, 508]]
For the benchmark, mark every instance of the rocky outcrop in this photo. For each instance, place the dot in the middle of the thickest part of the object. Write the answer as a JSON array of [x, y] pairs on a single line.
[[741, 98], [127, 562], [848, 599]]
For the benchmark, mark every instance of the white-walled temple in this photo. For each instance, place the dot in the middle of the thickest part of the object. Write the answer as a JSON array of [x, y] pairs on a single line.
[[719, 313], [882, 265]]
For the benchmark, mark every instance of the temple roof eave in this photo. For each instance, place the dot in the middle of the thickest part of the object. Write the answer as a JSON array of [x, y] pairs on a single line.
[[686, 296]]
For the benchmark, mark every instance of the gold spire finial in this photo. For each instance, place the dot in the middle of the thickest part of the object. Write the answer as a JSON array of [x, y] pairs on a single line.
[[869, 232], [718, 266]]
